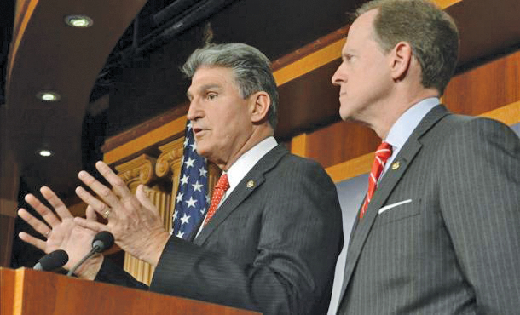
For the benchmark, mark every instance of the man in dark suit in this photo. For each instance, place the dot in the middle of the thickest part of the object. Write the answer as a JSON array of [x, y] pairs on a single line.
[[439, 231], [273, 241]]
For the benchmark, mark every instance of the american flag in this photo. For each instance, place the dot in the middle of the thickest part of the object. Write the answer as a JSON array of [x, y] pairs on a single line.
[[191, 200]]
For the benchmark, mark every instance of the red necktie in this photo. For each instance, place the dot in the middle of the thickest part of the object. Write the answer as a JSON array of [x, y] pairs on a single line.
[[384, 151], [219, 191]]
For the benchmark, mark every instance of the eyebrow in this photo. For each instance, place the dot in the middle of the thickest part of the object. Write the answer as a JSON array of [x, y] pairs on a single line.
[[205, 87], [348, 51]]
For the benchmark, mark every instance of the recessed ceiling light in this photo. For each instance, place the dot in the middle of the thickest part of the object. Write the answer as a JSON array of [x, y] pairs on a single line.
[[48, 96], [45, 153], [78, 20]]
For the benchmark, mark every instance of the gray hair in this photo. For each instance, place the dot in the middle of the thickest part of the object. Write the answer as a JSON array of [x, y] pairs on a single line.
[[251, 69], [431, 32]]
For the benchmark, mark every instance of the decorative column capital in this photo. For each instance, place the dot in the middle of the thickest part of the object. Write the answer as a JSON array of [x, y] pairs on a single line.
[[170, 157], [138, 171]]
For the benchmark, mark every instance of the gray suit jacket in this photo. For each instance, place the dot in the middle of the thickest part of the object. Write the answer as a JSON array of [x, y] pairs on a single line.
[[271, 246], [442, 232]]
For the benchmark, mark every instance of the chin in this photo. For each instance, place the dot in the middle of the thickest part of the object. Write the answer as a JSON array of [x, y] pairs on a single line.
[[204, 154], [201, 150], [345, 113]]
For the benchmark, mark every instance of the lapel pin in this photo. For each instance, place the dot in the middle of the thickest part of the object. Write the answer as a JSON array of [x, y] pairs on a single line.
[[396, 165], [250, 183]]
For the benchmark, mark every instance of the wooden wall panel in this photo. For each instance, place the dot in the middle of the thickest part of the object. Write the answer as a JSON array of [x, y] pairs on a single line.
[[491, 90], [485, 88], [341, 142], [481, 91], [308, 102]]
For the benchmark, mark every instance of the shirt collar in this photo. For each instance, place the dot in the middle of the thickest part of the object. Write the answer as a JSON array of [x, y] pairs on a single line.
[[405, 125], [245, 163], [409, 120]]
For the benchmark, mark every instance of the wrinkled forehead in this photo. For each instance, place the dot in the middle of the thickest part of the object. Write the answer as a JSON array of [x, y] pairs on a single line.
[[211, 76]]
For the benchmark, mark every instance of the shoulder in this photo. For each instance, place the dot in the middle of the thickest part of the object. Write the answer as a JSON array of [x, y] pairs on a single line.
[[480, 130], [302, 185], [297, 165], [454, 129], [480, 145]]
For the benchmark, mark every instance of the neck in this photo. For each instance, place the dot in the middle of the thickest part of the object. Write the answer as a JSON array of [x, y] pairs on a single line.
[[395, 107], [259, 134]]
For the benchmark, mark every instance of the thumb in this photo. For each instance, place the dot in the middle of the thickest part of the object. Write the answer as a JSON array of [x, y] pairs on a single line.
[[91, 225], [90, 214], [143, 198]]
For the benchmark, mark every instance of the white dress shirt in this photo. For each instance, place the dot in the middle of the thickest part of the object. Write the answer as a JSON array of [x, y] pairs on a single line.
[[243, 165]]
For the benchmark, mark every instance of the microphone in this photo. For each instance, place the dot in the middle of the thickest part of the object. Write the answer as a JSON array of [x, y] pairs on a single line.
[[102, 241], [54, 260]]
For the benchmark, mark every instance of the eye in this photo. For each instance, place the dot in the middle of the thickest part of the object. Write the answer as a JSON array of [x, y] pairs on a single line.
[[211, 96]]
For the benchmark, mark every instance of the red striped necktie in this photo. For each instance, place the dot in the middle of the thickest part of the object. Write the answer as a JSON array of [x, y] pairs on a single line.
[[219, 191], [384, 151]]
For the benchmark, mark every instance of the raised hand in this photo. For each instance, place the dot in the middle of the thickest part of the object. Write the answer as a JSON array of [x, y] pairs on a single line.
[[133, 220], [60, 231]]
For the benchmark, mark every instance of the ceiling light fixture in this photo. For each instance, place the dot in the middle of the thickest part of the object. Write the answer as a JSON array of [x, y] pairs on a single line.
[[48, 96], [45, 153], [78, 20]]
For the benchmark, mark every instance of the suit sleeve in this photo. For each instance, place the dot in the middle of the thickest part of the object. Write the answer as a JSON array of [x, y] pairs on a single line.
[[480, 202], [299, 240], [113, 274]]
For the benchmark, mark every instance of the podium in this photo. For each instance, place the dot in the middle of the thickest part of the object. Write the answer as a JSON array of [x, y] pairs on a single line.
[[26, 291]]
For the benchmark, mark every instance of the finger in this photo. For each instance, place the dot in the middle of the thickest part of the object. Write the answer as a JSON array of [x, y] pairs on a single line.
[[32, 240], [91, 225], [90, 214], [56, 203], [42, 209], [101, 190], [143, 198], [118, 185], [93, 203], [36, 224]]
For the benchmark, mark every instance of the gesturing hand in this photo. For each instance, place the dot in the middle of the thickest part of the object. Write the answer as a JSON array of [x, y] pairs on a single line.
[[133, 220], [60, 232]]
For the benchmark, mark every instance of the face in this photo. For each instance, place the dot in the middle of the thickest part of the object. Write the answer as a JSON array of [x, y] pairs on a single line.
[[220, 116], [363, 76]]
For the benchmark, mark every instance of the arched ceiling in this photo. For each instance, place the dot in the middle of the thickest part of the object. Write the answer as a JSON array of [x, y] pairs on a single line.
[[47, 54]]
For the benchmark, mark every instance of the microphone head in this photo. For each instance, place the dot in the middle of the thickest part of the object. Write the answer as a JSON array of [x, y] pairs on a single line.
[[102, 241], [53, 260]]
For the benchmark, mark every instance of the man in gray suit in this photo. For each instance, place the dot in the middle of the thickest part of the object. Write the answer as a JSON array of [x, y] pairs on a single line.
[[441, 232], [273, 242]]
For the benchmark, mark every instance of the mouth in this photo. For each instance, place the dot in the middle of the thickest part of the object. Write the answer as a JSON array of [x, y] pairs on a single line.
[[197, 131]]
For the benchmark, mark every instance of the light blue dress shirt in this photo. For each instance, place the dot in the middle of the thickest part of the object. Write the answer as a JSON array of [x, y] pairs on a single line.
[[405, 125]]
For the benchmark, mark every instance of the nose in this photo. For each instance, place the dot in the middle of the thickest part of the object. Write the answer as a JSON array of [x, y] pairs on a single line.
[[194, 111], [339, 76]]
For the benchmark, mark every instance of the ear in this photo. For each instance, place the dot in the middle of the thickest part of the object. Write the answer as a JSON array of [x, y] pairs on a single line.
[[402, 55], [260, 104]]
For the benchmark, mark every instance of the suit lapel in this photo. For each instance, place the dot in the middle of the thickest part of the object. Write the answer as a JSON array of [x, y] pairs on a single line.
[[254, 179], [386, 186]]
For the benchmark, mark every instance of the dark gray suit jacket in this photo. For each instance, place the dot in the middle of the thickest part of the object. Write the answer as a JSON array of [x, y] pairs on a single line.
[[270, 247], [453, 245]]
